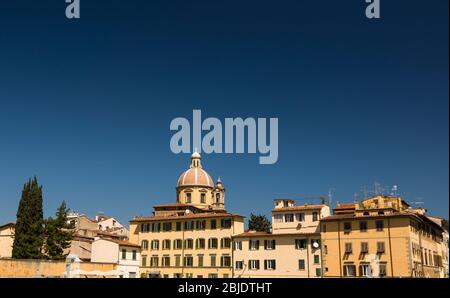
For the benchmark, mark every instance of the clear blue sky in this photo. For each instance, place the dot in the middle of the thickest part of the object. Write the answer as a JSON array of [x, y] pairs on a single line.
[[85, 105]]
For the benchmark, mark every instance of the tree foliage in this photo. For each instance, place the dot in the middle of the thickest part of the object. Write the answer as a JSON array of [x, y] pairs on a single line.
[[34, 237], [28, 234], [58, 234], [259, 223]]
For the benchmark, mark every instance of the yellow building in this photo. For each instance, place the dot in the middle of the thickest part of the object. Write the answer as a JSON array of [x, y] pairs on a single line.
[[292, 249], [380, 237], [6, 240], [192, 237]]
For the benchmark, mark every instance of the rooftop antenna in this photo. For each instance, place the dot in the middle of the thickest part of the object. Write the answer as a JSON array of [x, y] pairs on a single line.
[[330, 196], [394, 190], [377, 188]]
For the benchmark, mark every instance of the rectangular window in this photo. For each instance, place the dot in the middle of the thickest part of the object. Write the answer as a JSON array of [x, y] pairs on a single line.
[[382, 270], [301, 264], [213, 275], [363, 226], [213, 260], [212, 243], [167, 226], [178, 226], [155, 245], [318, 272], [253, 264], [225, 261], [165, 261], [316, 259], [380, 247], [269, 244], [177, 244], [239, 265], [203, 198], [145, 227], [200, 225], [364, 247], [300, 243], [269, 264], [349, 270], [300, 216], [379, 225], [213, 224], [156, 227], [278, 218], [289, 217], [347, 227], [200, 243], [134, 255], [124, 254], [188, 225], [226, 223], [237, 245], [154, 261], [166, 244], [253, 244], [200, 260], [144, 261], [188, 198], [188, 244], [144, 244], [225, 243], [348, 248], [188, 261], [315, 216], [365, 270]]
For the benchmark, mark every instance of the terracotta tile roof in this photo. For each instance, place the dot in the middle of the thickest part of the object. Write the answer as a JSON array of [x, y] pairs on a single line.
[[175, 205], [296, 208], [8, 224], [398, 214], [188, 216], [122, 242], [345, 206]]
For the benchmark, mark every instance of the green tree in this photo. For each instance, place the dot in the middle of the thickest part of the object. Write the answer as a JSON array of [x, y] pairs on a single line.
[[58, 234], [28, 234], [259, 223]]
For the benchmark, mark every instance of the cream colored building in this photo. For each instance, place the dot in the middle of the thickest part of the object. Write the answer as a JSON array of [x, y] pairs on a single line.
[[87, 229], [292, 249], [111, 225], [124, 254], [444, 244], [191, 237], [6, 240], [380, 237]]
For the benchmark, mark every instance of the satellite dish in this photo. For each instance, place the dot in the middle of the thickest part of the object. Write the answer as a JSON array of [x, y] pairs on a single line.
[[187, 211], [316, 244]]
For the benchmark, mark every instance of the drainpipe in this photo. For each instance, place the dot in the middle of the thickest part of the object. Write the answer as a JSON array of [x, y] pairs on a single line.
[[339, 247], [307, 253], [390, 247]]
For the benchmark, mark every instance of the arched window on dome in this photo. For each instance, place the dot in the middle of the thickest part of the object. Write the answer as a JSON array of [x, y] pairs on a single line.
[[203, 198], [188, 198]]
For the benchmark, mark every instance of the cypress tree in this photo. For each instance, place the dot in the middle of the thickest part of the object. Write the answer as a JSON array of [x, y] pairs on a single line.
[[58, 234], [28, 234]]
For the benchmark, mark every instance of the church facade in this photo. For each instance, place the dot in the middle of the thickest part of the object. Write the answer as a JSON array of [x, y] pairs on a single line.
[[191, 237]]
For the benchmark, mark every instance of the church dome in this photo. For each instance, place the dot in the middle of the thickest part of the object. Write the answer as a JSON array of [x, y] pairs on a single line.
[[195, 175]]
